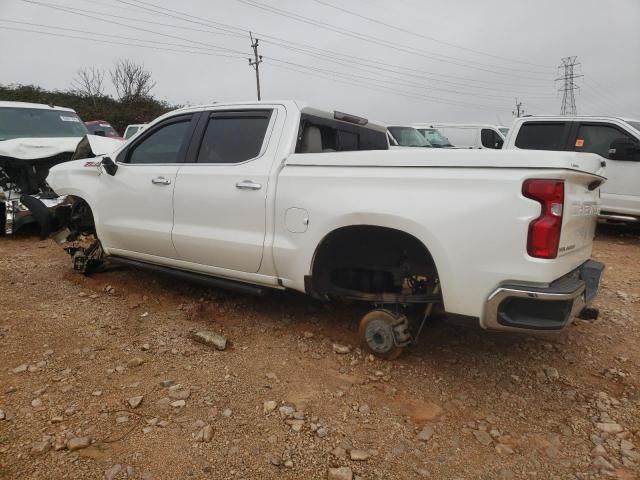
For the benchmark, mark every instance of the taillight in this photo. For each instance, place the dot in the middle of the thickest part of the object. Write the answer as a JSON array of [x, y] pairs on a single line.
[[544, 231]]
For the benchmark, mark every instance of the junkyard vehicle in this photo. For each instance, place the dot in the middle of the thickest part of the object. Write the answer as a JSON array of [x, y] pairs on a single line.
[[433, 136], [132, 129], [469, 135], [405, 136], [102, 128], [281, 195], [616, 140], [33, 138]]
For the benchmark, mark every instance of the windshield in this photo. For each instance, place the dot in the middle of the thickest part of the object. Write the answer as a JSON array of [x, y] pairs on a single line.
[[635, 125], [435, 138], [408, 137], [503, 131], [39, 123]]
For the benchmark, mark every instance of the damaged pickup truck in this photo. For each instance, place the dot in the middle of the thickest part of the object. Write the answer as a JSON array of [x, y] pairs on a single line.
[[34, 138], [280, 195]]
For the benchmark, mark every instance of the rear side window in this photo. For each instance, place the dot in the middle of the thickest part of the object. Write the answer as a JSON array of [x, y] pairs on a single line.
[[162, 145], [233, 137], [317, 134], [598, 138], [541, 136], [460, 136]]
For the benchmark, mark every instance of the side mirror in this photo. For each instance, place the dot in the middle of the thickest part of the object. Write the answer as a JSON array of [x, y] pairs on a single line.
[[624, 149], [109, 166]]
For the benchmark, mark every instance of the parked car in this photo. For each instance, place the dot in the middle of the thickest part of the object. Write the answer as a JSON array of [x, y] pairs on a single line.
[[470, 135], [406, 136], [33, 138], [616, 140], [132, 129], [281, 195], [433, 136], [102, 128]]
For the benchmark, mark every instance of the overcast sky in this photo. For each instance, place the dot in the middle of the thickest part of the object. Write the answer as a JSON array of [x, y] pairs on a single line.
[[395, 61]]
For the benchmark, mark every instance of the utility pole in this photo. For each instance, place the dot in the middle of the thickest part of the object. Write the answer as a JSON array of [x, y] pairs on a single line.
[[568, 85], [518, 111], [255, 62]]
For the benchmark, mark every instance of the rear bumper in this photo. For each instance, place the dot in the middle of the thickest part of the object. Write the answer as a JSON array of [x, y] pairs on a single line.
[[514, 307]]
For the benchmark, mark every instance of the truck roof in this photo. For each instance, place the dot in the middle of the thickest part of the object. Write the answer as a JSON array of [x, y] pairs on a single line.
[[41, 106], [577, 117], [303, 107], [462, 125]]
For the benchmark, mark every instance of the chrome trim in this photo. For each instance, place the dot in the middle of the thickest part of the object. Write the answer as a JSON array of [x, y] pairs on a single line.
[[489, 321], [618, 218], [248, 185]]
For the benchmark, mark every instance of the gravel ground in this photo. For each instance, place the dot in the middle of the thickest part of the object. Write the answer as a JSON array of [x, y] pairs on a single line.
[[101, 377]]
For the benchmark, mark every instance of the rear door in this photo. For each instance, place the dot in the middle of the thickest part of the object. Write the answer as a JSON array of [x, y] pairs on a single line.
[[544, 135], [621, 192], [220, 198]]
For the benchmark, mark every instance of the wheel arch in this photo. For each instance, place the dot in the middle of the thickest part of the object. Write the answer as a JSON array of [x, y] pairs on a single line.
[[396, 227]]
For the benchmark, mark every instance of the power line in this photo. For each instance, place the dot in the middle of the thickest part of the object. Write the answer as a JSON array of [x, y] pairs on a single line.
[[426, 37], [377, 41], [286, 43], [55, 7], [86, 32], [568, 86], [17, 29]]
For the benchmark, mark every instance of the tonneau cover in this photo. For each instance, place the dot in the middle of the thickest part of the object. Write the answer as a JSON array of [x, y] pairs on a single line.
[[445, 158]]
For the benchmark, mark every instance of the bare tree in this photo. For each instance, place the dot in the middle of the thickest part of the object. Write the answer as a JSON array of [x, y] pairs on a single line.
[[131, 80], [89, 82]]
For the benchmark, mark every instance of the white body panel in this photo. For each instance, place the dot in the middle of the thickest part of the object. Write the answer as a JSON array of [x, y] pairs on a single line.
[[466, 207], [621, 193]]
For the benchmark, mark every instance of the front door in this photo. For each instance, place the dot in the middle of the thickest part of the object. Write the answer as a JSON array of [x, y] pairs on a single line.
[[136, 215], [220, 198]]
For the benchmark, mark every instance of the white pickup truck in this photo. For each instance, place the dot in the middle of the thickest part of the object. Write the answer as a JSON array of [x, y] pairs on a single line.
[[616, 140], [280, 195]]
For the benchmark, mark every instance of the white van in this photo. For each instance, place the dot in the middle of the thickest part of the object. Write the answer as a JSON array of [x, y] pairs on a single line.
[[468, 135], [617, 140]]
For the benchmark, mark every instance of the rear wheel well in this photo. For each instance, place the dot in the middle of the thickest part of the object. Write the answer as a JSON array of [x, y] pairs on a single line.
[[378, 264]]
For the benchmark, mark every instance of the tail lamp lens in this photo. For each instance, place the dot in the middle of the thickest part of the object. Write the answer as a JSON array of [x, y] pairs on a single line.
[[544, 231]]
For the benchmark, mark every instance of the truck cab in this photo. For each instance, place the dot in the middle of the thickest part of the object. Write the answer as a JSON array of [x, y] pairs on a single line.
[[616, 140], [468, 135]]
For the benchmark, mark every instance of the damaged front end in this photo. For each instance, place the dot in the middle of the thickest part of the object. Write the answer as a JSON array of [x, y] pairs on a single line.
[[25, 196]]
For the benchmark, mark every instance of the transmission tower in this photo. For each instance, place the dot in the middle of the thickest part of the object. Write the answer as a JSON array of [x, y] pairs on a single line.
[[568, 85]]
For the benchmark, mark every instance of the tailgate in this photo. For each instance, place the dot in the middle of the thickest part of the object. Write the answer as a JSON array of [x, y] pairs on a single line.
[[581, 209]]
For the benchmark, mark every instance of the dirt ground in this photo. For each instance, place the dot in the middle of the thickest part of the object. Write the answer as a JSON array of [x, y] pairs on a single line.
[[77, 353]]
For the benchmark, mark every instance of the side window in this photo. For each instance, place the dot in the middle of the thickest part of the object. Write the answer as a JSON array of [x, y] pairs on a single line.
[[162, 145], [490, 138], [598, 139], [317, 135], [233, 137], [541, 136]]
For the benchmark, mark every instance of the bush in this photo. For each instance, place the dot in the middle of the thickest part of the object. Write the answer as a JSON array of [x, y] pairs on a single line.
[[118, 113]]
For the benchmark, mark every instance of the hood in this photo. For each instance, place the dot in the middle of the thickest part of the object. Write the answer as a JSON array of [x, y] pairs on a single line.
[[35, 148], [95, 145]]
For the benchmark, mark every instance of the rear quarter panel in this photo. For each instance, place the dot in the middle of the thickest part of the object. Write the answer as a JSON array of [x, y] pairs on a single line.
[[474, 221]]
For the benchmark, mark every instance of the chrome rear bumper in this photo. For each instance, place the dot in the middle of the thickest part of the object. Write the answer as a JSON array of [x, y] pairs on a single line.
[[513, 307]]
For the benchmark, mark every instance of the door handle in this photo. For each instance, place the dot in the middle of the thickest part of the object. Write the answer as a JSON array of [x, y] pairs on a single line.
[[248, 185], [161, 181]]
